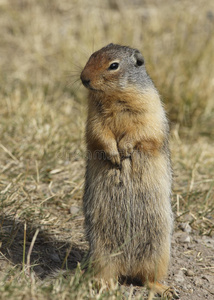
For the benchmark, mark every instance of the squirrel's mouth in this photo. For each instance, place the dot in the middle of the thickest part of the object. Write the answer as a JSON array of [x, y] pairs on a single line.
[[88, 85], [90, 88]]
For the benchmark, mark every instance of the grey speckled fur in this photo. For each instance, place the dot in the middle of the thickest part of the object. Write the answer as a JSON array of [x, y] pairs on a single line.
[[125, 215]]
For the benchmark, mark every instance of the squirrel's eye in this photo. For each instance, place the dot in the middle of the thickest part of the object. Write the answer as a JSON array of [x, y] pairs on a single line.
[[114, 66]]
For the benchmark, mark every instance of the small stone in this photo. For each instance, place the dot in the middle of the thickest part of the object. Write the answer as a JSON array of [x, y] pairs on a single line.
[[185, 238], [189, 273], [179, 277], [185, 227], [74, 210]]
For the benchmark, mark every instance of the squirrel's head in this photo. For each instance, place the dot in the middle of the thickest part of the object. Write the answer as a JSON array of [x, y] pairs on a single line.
[[114, 68]]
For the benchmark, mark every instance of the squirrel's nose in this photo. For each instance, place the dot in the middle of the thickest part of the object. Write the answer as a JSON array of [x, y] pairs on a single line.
[[86, 82]]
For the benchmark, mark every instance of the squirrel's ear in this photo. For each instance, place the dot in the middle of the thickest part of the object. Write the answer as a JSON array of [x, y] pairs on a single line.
[[138, 58]]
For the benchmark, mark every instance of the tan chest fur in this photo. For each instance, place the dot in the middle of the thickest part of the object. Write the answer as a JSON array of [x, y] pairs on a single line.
[[130, 113]]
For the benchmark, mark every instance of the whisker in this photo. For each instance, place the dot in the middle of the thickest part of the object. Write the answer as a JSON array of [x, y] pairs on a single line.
[[71, 83]]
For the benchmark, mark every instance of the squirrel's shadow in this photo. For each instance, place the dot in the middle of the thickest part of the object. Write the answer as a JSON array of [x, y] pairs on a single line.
[[48, 254]]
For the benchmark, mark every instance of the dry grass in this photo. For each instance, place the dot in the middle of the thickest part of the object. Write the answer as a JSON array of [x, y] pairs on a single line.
[[43, 46]]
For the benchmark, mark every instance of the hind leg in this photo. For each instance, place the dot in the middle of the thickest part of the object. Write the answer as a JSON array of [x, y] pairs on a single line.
[[161, 270], [105, 272], [154, 270]]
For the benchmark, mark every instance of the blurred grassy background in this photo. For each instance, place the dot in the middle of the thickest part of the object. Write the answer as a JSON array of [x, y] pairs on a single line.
[[43, 43], [43, 47]]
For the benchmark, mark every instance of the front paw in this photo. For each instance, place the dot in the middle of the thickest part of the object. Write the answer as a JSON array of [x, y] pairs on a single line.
[[125, 148], [114, 157], [112, 153]]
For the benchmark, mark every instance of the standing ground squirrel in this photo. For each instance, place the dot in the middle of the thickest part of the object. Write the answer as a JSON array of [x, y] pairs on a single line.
[[126, 203]]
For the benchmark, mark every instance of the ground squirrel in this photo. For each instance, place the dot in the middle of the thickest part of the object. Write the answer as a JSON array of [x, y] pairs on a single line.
[[126, 201]]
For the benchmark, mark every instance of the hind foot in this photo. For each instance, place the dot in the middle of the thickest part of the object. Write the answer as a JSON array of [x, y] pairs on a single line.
[[163, 290]]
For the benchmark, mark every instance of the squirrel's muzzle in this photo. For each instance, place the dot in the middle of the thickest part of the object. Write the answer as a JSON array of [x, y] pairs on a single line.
[[85, 80]]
